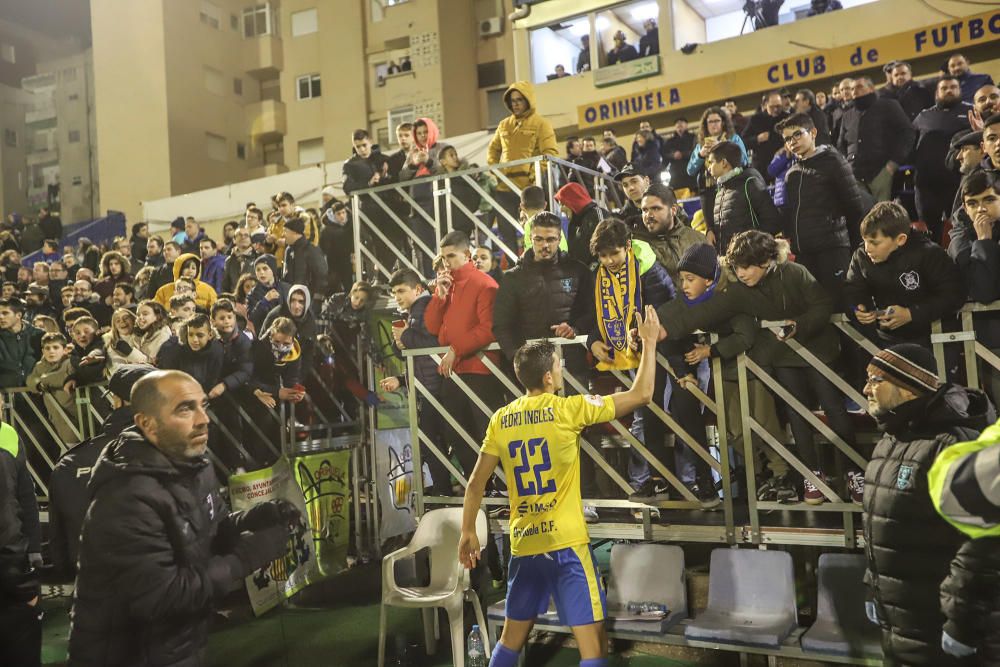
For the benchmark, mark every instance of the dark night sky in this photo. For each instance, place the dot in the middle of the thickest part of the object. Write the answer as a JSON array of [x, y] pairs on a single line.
[[57, 18]]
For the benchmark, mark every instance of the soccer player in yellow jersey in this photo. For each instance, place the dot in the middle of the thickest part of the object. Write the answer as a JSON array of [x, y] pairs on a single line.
[[537, 440]]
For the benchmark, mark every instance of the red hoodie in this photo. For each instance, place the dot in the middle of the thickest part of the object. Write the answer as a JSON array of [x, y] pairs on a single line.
[[574, 196], [465, 319], [432, 139]]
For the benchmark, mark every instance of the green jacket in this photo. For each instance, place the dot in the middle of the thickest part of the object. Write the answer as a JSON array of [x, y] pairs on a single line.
[[18, 354], [787, 292]]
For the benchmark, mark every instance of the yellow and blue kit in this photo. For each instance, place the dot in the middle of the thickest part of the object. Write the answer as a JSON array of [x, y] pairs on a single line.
[[537, 439]]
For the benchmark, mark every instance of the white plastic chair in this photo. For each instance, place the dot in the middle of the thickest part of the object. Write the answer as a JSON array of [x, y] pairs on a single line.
[[449, 585]]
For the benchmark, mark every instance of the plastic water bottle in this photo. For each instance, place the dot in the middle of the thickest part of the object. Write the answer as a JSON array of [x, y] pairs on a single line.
[[477, 652]]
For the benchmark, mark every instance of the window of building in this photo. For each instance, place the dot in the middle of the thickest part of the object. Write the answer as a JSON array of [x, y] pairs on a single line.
[[74, 136], [307, 87], [311, 151], [10, 138], [398, 117], [211, 14], [241, 150], [238, 86], [234, 22], [215, 81], [273, 153], [215, 147], [8, 53], [270, 89], [305, 22], [559, 45], [257, 20], [629, 22], [74, 97], [77, 180]]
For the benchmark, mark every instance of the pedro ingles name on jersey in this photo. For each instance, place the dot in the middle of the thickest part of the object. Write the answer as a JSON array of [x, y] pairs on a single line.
[[528, 417]]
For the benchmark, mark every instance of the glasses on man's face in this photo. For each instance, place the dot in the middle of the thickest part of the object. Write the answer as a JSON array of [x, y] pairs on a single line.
[[547, 240], [712, 121], [795, 136], [873, 380]]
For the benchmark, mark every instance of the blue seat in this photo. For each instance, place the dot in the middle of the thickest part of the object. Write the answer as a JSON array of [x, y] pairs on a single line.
[[751, 599], [841, 626]]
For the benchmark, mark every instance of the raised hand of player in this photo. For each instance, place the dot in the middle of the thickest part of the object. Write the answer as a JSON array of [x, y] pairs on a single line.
[[469, 550], [649, 327]]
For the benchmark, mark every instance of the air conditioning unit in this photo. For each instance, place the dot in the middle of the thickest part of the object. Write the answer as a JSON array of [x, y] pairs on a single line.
[[491, 26]]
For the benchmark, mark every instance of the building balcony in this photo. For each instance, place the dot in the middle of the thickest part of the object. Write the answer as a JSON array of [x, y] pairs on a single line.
[[42, 157], [40, 114], [39, 82], [265, 120], [263, 57]]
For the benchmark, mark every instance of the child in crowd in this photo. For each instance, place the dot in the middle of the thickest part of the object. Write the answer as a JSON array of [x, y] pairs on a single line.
[[975, 247], [899, 281], [277, 364], [49, 378], [269, 291], [152, 324], [188, 266], [349, 311], [182, 307], [196, 351], [88, 358], [122, 341], [702, 277], [486, 261], [741, 200], [772, 288]]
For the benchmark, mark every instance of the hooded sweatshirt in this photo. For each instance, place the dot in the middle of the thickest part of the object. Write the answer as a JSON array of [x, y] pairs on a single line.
[[305, 325], [204, 295], [586, 216], [520, 137]]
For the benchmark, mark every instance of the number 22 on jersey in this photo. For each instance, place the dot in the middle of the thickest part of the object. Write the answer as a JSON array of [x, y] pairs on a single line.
[[529, 474]]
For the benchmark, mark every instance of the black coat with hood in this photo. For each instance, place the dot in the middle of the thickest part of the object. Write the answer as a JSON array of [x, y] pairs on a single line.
[[18, 580], [919, 275], [204, 365], [824, 204], [935, 127], [534, 296], [305, 265], [979, 263], [742, 202], [155, 554], [306, 328], [909, 547]]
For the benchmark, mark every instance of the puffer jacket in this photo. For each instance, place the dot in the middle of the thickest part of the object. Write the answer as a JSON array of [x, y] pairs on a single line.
[[204, 295], [908, 546], [824, 205], [534, 296], [149, 565], [520, 137], [918, 275], [741, 203], [464, 319]]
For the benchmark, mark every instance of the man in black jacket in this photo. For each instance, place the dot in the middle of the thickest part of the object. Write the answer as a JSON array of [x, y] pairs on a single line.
[[823, 205], [304, 262], [900, 281], [936, 183], [875, 137], [19, 613], [760, 137], [676, 153], [165, 272], [369, 168], [547, 294], [68, 494], [912, 552], [336, 240], [912, 96], [742, 201], [240, 260], [158, 544], [633, 183]]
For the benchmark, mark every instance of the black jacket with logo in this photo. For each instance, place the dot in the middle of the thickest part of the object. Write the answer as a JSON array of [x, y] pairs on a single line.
[[919, 275], [909, 547], [534, 296], [742, 202]]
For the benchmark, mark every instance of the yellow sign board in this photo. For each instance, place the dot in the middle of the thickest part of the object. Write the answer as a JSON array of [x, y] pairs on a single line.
[[960, 33]]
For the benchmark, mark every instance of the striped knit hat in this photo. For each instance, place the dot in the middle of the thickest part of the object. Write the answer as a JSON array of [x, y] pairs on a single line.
[[908, 366]]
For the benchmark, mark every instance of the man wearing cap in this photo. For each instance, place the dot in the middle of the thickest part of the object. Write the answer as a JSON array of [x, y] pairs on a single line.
[[36, 298], [633, 183], [240, 260], [304, 262], [912, 95], [922, 574]]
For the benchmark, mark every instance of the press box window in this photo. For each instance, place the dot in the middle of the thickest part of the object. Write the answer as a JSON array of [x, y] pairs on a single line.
[[558, 45]]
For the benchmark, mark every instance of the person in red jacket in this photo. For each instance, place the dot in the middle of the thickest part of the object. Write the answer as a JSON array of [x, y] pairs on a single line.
[[460, 314]]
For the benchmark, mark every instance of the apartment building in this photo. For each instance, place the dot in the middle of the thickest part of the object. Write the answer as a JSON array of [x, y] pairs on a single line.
[[201, 93]]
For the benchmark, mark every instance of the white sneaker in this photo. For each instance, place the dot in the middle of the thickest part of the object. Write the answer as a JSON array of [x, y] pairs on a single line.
[[590, 514]]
